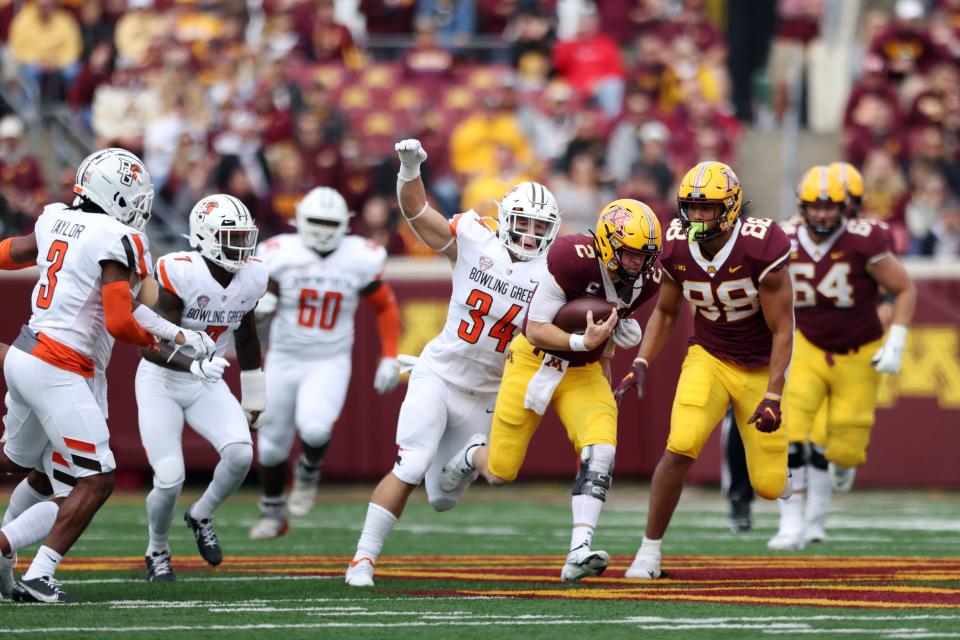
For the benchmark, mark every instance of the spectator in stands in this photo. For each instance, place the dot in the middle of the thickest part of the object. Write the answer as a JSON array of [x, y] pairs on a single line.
[[45, 42], [21, 182], [885, 195], [355, 177], [137, 30], [872, 84], [580, 194], [798, 23], [626, 140], [95, 71], [929, 147], [942, 241], [122, 107], [484, 191], [388, 17], [929, 194], [473, 142], [646, 151], [95, 26], [455, 20], [241, 141], [322, 37], [232, 177], [647, 72], [291, 183], [379, 223], [532, 36], [930, 105], [163, 135], [906, 47], [427, 61], [592, 63], [880, 131], [642, 185], [553, 126]]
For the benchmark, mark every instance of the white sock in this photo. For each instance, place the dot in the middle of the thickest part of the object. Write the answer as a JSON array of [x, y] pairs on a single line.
[[161, 503], [791, 514], [23, 497], [586, 515], [650, 547], [44, 564], [31, 526], [819, 492], [227, 477], [376, 528]]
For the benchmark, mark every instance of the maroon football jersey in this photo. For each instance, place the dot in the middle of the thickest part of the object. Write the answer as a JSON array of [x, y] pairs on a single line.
[[726, 290], [573, 263], [835, 299]]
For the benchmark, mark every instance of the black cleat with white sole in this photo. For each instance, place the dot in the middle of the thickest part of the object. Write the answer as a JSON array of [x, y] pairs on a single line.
[[207, 543], [44, 589], [159, 568]]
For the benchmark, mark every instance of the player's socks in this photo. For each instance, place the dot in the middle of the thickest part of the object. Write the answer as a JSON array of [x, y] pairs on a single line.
[[23, 497], [376, 528], [161, 504], [44, 564], [227, 477], [31, 526], [586, 515], [819, 492]]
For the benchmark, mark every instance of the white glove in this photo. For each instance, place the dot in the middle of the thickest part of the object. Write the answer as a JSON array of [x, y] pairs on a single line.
[[253, 395], [387, 376], [209, 369], [412, 156], [627, 333], [407, 363], [887, 358], [267, 304], [203, 345]]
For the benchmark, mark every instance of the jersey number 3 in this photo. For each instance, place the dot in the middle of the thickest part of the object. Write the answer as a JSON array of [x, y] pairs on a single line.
[[502, 330], [55, 256]]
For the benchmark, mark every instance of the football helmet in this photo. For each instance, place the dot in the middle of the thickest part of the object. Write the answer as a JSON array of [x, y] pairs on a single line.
[[853, 182], [710, 181], [820, 185], [528, 212], [322, 218], [628, 226], [223, 231], [116, 181]]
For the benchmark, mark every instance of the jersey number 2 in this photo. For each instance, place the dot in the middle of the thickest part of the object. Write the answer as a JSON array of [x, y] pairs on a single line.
[[502, 330], [328, 308], [55, 256]]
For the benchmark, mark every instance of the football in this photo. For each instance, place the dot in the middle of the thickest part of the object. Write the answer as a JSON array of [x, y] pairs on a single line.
[[572, 316]]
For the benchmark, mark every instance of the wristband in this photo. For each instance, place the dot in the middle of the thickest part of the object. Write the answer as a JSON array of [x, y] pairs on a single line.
[[407, 174], [576, 342], [639, 360], [772, 396]]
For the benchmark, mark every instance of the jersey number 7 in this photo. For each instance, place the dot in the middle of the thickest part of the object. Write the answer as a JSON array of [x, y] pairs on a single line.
[[502, 330]]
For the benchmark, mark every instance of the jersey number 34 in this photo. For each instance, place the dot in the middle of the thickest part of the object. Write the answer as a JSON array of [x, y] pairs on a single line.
[[501, 331]]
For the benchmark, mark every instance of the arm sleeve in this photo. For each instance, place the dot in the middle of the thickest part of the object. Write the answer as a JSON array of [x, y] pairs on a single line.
[[6, 260], [118, 315], [155, 324], [385, 304]]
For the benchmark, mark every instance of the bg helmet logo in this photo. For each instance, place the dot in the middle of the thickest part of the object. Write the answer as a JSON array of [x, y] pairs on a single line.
[[209, 206], [129, 172]]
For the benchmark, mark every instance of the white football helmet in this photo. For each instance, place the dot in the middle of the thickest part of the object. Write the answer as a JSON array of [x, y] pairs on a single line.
[[223, 231], [528, 216], [322, 219], [116, 181]]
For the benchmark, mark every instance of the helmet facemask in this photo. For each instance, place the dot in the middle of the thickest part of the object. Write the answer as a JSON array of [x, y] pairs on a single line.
[[236, 246], [528, 220], [321, 234], [223, 231], [824, 229], [700, 230]]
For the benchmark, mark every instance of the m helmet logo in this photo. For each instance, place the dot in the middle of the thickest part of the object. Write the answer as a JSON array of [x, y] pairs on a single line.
[[731, 179], [617, 217]]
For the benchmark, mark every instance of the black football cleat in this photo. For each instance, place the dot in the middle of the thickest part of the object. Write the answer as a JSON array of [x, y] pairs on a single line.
[[207, 543], [740, 519], [44, 589], [159, 568]]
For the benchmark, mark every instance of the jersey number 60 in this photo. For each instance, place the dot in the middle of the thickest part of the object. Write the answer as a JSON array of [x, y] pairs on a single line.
[[311, 305]]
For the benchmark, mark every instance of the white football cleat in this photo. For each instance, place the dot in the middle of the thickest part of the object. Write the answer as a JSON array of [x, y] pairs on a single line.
[[7, 563], [457, 469], [583, 562], [360, 573], [267, 528], [815, 532], [646, 566], [304, 493], [841, 478], [787, 541]]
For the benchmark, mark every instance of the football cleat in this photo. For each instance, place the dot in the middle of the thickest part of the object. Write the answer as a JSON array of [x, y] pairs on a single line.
[[458, 469], [44, 589], [304, 493], [7, 563], [787, 541], [740, 519], [646, 566], [267, 528], [159, 568], [841, 478], [207, 543], [360, 573], [582, 562], [815, 532]]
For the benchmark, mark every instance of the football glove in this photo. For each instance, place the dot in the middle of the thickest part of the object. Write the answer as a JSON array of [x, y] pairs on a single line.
[[209, 369], [627, 333], [767, 416], [412, 155], [267, 304], [202, 344], [887, 358], [387, 376], [636, 378], [253, 395]]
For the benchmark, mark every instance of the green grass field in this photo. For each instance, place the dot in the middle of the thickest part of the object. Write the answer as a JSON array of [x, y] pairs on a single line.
[[490, 569]]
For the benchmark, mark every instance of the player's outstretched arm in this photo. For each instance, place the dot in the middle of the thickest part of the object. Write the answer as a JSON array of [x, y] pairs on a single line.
[[253, 386], [381, 297], [429, 224], [776, 303], [19, 252], [890, 274]]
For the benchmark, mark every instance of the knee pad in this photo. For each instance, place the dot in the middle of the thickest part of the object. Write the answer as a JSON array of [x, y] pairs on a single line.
[[412, 464], [270, 453], [770, 484], [797, 455], [594, 477], [238, 456], [168, 473], [314, 433], [847, 455], [817, 458]]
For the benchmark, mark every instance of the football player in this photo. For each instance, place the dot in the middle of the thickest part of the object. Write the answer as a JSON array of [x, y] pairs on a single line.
[[317, 276], [549, 366], [87, 253], [454, 384], [837, 263], [732, 271], [214, 289]]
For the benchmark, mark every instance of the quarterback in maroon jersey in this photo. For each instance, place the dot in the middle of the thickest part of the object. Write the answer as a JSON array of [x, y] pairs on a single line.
[[837, 264], [731, 270]]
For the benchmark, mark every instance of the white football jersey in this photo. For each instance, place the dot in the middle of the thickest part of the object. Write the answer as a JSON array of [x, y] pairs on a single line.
[[67, 300], [490, 297], [207, 306], [318, 295]]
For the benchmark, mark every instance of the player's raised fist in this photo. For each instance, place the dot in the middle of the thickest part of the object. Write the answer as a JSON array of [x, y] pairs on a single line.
[[411, 152]]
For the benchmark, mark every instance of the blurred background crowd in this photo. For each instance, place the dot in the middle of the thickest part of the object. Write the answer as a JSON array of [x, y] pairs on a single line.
[[264, 99]]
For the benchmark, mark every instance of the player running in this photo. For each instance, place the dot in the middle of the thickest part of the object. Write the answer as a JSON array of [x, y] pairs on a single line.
[[837, 264], [212, 289], [56, 410], [453, 387], [317, 277], [731, 271], [549, 366]]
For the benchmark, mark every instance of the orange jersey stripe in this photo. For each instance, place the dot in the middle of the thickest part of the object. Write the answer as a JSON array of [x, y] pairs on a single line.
[[80, 445], [63, 357], [140, 255], [162, 268]]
